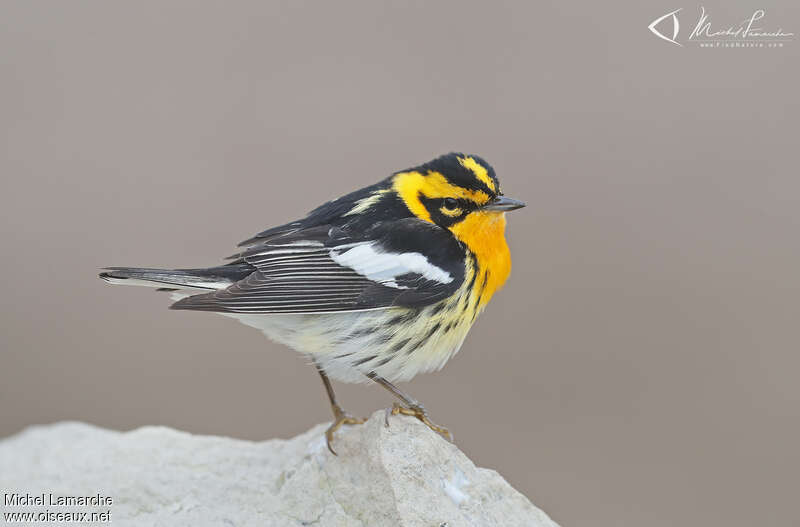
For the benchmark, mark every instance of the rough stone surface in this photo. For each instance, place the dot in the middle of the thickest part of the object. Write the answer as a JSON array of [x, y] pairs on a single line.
[[402, 475]]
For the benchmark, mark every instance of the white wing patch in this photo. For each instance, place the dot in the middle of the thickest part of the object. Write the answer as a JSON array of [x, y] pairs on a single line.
[[369, 261]]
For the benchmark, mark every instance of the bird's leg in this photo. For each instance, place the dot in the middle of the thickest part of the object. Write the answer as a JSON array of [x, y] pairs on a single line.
[[340, 417], [410, 406]]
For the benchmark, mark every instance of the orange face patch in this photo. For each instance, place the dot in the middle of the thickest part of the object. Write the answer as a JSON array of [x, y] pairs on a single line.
[[484, 234]]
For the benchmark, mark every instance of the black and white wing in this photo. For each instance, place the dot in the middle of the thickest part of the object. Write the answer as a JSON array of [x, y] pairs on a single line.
[[325, 268]]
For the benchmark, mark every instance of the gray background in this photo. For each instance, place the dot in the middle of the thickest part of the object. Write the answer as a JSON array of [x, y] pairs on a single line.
[[639, 369]]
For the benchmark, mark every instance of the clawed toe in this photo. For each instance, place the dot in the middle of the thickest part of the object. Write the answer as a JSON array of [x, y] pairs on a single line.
[[419, 412], [340, 418]]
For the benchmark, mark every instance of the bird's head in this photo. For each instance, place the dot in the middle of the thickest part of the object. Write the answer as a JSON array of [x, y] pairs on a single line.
[[455, 191]]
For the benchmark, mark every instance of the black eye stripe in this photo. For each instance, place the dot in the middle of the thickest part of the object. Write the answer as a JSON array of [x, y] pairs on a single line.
[[450, 203], [436, 208]]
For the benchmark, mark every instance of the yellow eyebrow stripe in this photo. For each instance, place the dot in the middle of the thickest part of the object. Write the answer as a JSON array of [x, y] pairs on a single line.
[[436, 186], [409, 185], [479, 170]]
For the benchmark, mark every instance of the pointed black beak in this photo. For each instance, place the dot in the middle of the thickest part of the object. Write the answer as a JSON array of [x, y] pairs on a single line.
[[503, 204]]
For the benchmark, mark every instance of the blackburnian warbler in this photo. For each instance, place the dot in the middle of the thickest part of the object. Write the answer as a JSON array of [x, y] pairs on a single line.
[[378, 285]]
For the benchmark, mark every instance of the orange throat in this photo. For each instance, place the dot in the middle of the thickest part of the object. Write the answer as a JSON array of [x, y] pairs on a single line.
[[484, 235]]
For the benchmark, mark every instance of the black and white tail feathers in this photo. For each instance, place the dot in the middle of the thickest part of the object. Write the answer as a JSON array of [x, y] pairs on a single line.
[[211, 278]]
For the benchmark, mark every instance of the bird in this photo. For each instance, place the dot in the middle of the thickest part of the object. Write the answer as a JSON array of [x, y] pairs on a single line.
[[378, 285]]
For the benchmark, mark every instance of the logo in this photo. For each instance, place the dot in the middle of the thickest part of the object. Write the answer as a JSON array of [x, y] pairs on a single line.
[[747, 33], [675, 27]]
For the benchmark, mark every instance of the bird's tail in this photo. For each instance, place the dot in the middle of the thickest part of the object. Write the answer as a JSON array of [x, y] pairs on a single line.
[[170, 279]]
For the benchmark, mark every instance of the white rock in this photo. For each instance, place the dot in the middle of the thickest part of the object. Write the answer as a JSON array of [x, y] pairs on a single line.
[[404, 475]]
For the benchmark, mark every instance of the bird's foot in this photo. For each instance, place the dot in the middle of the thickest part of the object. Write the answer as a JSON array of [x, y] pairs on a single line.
[[419, 412], [340, 417]]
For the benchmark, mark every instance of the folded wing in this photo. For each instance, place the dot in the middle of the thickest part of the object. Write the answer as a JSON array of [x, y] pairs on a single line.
[[325, 269]]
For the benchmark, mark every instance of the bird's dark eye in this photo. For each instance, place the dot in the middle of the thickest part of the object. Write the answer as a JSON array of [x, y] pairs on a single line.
[[450, 208]]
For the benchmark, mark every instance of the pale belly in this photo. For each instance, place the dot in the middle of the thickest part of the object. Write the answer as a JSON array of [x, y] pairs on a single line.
[[394, 343]]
